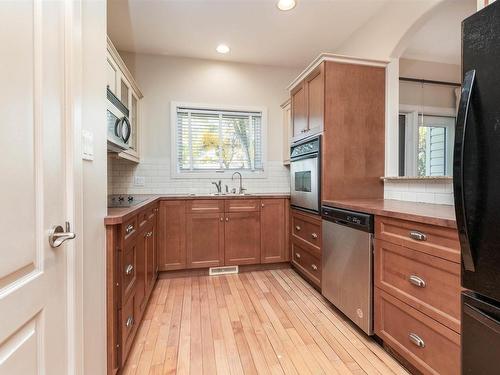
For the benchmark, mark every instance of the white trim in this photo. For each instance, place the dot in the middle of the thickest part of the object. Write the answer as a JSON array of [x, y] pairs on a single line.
[[175, 174], [335, 58]]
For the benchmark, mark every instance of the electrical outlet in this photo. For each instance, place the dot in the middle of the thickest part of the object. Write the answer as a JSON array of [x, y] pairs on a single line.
[[139, 181]]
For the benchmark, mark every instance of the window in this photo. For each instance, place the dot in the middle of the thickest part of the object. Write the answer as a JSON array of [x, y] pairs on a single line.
[[213, 140]]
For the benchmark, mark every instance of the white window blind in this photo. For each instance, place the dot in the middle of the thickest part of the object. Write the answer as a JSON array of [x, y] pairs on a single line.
[[210, 140]]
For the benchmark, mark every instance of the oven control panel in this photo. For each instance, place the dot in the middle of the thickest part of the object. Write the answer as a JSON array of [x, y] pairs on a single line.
[[308, 147]]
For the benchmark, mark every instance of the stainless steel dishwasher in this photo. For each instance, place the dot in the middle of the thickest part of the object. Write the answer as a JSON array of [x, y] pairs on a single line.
[[347, 264]]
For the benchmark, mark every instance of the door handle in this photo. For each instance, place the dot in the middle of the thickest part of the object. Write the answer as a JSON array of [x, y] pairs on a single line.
[[57, 235]]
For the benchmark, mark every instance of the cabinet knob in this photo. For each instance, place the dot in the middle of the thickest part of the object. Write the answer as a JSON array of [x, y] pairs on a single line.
[[129, 229], [297, 255], [130, 322], [227, 219], [221, 219], [417, 236], [417, 281], [314, 267], [129, 269], [416, 340], [262, 204], [314, 236], [297, 227]]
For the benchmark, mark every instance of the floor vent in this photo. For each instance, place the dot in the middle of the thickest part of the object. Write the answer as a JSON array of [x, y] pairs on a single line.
[[214, 271]]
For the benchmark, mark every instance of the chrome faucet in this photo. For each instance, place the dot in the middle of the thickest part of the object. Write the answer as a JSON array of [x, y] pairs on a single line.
[[218, 185], [242, 189]]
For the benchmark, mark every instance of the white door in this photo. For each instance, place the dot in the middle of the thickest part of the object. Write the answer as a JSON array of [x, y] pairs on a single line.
[[34, 188]]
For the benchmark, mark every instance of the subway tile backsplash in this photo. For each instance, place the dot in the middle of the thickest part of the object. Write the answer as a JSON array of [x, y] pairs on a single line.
[[122, 179], [424, 191]]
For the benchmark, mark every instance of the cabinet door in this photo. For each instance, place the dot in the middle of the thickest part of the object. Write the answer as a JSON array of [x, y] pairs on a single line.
[[140, 285], [273, 231], [150, 258], [315, 93], [111, 74], [204, 240], [242, 238], [287, 130], [299, 111], [172, 235]]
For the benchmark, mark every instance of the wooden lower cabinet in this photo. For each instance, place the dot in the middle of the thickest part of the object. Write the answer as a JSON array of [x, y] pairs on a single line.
[[242, 238], [172, 235], [417, 293], [274, 219], [204, 240]]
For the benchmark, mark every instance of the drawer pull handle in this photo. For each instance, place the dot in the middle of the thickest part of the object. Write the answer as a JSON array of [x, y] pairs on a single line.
[[130, 322], [417, 341], [297, 228], [148, 234], [418, 236], [129, 269], [129, 229], [417, 281], [314, 267], [314, 235], [297, 255]]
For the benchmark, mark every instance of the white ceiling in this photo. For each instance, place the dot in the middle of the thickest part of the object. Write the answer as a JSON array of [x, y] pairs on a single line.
[[256, 31], [440, 38]]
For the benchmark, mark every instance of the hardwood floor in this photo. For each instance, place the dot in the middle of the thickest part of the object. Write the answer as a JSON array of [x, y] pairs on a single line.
[[261, 322]]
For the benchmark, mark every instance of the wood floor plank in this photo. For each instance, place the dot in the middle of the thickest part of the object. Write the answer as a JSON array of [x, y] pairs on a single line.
[[259, 322]]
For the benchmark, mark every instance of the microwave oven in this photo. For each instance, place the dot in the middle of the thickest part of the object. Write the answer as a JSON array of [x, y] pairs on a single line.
[[118, 124]]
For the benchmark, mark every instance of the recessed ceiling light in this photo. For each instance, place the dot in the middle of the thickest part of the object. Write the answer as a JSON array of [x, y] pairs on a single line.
[[222, 48], [286, 4]]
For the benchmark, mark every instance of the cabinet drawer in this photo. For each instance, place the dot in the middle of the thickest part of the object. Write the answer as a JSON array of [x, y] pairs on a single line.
[[128, 327], [308, 229], [242, 205], [129, 230], [146, 215], [438, 241], [426, 344], [128, 271], [205, 205], [307, 263], [428, 283]]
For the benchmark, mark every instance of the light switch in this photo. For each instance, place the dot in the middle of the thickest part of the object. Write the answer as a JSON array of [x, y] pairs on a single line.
[[87, 145], [139, 181]]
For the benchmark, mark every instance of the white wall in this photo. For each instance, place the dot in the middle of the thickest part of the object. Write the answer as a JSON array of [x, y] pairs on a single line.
[[165, 79]]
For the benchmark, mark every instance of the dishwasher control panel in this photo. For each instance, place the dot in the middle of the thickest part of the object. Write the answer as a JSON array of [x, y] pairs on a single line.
[[357, 220]]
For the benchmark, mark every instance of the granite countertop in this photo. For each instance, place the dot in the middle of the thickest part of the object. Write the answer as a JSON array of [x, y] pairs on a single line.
[[119, 214], [436, 214]]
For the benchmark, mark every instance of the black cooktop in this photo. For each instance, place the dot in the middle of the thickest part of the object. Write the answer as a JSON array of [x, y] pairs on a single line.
[[115, 201]]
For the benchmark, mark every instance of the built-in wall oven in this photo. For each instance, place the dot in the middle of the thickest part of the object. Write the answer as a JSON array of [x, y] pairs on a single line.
[[119, 129], [305, 173]]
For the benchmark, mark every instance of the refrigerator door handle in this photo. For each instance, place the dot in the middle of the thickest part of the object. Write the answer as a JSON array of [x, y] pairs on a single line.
[[458, 170], [481, 317]]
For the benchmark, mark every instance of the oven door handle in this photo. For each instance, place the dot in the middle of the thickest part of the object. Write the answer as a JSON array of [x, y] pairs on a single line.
[[303, 157]]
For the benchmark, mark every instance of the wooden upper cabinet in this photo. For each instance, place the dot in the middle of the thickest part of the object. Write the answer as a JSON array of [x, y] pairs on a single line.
[[204, 239], [273, 233], [299, 111], [308, 100], [315, 89], [242, 238], [172, 235]]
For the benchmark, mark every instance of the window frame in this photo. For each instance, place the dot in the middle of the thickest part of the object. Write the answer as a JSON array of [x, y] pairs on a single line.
[[411, 112], [215, 174]]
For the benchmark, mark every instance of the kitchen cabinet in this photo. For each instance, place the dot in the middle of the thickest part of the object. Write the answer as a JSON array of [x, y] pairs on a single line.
[[343, 99], [286, 109], [273, 231], [121, 82], [172, 235], [308, 105], [204, 239], [306, 237], [242, 238], [417, 293], [131, 275]]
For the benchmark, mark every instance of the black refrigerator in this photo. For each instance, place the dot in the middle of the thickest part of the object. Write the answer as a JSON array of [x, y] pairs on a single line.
[[476, 183]]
